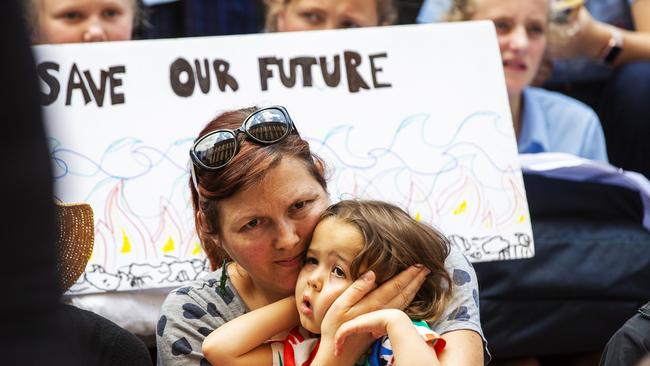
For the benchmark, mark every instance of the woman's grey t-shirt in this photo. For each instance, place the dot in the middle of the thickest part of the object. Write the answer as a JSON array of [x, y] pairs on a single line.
[[191, 312]]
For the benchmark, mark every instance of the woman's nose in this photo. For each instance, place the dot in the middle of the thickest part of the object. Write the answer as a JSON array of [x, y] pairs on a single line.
[[518, 39], [94, 33], [288, 236]]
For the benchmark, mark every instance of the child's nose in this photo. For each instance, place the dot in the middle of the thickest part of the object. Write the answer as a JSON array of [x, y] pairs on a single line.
[[314, 281], [94, 33]]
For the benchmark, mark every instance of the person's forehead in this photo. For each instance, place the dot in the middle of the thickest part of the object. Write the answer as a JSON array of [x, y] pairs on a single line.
[[528, 8], [335, 236], [278, 189]]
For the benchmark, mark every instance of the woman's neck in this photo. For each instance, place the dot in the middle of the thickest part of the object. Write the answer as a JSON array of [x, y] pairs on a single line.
[[515, 110], [253, 295]]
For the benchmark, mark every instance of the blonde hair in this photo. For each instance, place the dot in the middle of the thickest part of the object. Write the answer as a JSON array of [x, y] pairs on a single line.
[[393, 241], [386, 11]]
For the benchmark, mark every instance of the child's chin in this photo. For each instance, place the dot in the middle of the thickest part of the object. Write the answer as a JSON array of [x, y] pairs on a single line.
[[308, 324]]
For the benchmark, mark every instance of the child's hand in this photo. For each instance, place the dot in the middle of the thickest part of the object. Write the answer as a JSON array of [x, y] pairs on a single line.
[[376, 323]]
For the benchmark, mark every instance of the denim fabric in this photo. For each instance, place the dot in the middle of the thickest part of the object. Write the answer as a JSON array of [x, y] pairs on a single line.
[[193, 18]]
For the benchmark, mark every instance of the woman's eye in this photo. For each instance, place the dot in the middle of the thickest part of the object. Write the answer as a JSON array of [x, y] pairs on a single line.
[[252, 224], [536, 30], [299, 205], [312, 17], [338, 272], [502, 27], [110, 13], [349, 24]]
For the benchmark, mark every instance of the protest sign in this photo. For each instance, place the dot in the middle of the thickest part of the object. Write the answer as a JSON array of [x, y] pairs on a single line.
[[416, 115]]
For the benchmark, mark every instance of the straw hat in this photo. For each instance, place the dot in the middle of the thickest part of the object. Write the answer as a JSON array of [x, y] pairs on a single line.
[[75, 239]]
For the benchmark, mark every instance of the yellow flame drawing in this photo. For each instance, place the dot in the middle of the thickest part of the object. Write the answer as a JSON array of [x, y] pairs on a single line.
[[461, 208], [522, 218], [126, 243], [418, 217], [197, 249], [169, 245]]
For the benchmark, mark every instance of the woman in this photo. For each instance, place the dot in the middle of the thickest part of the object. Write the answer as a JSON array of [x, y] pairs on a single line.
[[76, 21], [256, 207], [303, 15], [543, 121]]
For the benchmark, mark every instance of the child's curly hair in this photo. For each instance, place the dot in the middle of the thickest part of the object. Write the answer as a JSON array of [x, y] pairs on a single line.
[[393, 241]]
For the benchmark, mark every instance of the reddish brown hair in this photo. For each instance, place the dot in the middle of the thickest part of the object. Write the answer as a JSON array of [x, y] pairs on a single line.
[[247, 168], [393, 241]]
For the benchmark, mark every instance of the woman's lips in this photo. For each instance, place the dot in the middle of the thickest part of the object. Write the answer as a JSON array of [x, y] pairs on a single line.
[[516, 65], [290, 262]]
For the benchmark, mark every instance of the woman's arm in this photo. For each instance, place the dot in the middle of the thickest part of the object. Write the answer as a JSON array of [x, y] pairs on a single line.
[[464, 347], [592, 37], [241, 341], [409, 348], [361, 298]]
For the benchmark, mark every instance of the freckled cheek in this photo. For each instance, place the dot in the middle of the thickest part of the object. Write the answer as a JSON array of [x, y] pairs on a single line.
[[254, 257]]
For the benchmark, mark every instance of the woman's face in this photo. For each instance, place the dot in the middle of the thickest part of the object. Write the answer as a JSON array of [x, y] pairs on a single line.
[[521, 27], [302, 15], [73, 21], [267, 227]]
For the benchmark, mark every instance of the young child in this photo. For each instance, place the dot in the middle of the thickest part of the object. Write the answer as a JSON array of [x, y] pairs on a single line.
[[352, 238], [75, 21]]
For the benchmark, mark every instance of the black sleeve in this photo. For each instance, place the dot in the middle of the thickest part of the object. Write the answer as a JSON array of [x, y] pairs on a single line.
[[104, 343], [32, 330], [631, 342]]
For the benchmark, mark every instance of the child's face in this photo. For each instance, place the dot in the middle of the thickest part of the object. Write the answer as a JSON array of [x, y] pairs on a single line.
[[73, 21], [326, 273]]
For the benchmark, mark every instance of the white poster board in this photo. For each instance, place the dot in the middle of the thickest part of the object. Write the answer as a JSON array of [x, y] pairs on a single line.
[[416, 115]]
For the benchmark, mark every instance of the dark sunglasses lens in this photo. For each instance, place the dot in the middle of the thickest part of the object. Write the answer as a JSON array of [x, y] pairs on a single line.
[[217, 149], [269, 125]]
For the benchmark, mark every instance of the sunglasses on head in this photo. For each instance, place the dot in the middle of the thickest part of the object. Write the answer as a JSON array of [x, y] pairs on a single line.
[[216, 149]]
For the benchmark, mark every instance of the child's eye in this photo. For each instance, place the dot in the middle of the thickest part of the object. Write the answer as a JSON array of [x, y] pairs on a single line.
[[310, 260], [111, 13], [71, 15], [338, 272]]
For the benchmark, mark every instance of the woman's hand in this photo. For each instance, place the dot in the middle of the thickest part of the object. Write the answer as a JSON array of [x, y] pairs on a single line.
[[576, 38], [360, 298]]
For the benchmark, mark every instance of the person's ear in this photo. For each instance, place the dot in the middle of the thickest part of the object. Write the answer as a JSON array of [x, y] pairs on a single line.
[[320, 167], [200, 220], [280, 19]]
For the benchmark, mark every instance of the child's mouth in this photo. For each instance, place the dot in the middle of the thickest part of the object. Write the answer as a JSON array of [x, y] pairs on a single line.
[[305, 306]]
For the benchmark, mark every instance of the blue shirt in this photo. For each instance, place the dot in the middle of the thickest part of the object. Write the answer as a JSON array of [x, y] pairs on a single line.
[[553, 122]]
